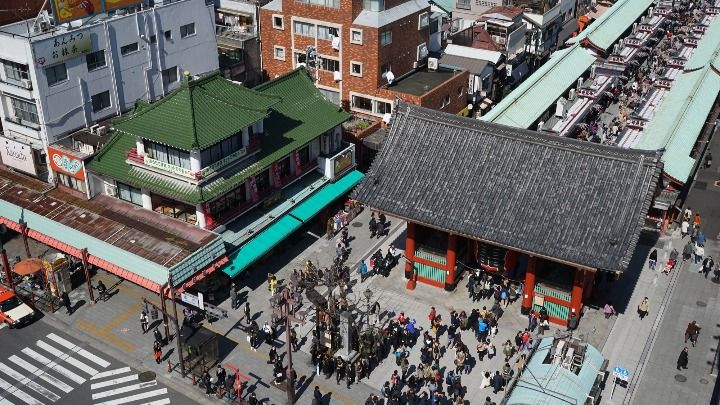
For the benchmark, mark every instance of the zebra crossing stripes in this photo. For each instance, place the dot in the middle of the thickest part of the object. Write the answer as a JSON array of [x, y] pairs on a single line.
[[110, 386]]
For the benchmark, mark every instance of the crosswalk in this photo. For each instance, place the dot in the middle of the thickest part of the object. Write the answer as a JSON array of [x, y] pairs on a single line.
[[43, 373]]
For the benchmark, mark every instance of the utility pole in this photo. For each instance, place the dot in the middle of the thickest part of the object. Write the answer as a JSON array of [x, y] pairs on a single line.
[[171, 287], [283, 307], [5, 263]]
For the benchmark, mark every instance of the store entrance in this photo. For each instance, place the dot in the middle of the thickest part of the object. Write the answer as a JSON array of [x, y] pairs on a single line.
[[174, 209]]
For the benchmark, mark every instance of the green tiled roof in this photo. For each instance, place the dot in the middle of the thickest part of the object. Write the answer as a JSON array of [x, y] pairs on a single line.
[[537, 93], [604, 31], [302, 115], [199, 114]]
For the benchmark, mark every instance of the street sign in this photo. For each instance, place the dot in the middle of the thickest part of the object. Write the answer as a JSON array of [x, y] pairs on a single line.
[[190, 299], [621, 373], [201, 301]]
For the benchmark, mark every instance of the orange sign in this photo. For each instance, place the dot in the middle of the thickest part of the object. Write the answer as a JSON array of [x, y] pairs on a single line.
[[65, 163], [68, 10], [113, 4]]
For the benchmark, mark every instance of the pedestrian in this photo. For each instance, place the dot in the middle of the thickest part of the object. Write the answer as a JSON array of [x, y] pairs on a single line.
[[687, 251], [294, 340], [684, 228], [609, 310], [247, 313], [233, 296], [272, 284], [707, 265], [157, 349], [363, 269], [682, 361], [497, 382], [699, 252], [691, 332], [572, 322], [652, 260], [643, 308], [158, 336], [268, 332], [372, 225], [144, 322], [66, 302], [696, 220]]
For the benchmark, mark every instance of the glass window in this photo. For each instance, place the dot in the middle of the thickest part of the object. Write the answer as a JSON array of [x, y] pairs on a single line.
[[304, 29], [284, 167], [169, 76], [386, 38], [95, 60], [24, 110], [374, 5], [327, 33], [445, 101], [423, 20], [187, 30], [128, 49], [221, 150], [153, 39], [356, 36], [101, 101], [15, 71], [262, 180], [356, 69], [331, 95], [278, 22], [434, 26], [304, 155], [329, 65], [168, 35], [362, 103], [56, 74], [129, 194], [279, 52], [71, 182], [325, 3], [382, 107]]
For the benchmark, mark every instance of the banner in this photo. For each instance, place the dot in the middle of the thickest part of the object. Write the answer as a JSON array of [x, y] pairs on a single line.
[[62, 47], [69, 10], [113, 4], [64, 162], [17, 155]]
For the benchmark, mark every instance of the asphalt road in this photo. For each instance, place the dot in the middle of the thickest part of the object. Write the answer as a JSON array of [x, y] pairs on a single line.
[[40, 364]]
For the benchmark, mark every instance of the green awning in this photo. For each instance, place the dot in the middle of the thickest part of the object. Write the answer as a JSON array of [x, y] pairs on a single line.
[[328, 193], [258, 246]]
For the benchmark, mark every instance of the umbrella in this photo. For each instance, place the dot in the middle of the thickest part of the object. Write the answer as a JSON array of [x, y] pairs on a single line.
[[28, 266]]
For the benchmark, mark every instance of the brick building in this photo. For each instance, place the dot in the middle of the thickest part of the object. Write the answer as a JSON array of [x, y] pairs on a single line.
[[356, 44]]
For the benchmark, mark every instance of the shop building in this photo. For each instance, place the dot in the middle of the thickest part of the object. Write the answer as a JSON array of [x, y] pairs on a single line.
[[58, 78], [514, 202], [213, 149]]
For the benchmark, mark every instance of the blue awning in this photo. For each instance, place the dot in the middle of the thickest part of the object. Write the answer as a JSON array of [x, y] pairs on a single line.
[[258, 246], [327, 194]]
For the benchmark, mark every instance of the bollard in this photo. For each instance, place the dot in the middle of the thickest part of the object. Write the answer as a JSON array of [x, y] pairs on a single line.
[[169, 367], [193, 379]]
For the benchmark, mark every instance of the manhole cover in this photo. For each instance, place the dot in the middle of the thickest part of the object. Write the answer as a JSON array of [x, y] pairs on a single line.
[[704, 381], [701, 303], [357, 224], [146, 376], [680, 378]]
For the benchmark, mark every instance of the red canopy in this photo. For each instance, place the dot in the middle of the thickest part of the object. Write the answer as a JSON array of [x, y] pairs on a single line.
[[28, 266]]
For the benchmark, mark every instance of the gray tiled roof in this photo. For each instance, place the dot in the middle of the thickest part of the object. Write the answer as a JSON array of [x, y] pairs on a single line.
[[573, 201]]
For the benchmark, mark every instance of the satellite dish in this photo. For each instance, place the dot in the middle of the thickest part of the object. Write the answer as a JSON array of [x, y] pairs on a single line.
[[389, 76]]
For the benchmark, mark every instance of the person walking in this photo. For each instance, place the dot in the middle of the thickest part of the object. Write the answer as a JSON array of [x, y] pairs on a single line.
[[652, 259], [643, 308], [247, 313], [68, 306], [692, 332], [707, 265], [157, 350], [609, 310], [233, 296], [363, 269], [144, 322], [497, 382], [158, 336], [696, 220], [699, 252], [687, 251], [682, 361], [684, 228]]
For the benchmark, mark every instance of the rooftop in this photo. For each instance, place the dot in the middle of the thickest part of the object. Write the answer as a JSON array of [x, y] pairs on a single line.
[[508, 186], [377, 19], [607, 29], [505, 11], [421, 81], [134, 243]]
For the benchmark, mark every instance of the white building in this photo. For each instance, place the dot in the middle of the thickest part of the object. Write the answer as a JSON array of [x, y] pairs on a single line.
[[58, 79]]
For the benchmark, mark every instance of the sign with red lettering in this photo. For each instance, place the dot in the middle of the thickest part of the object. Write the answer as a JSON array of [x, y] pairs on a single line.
[[65, 163]]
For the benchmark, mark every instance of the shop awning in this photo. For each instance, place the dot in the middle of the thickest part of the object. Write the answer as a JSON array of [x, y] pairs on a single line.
[[330, 192], [258, 246]]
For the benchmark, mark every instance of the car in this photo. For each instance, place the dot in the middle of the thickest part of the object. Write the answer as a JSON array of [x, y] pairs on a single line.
[[13, 311]]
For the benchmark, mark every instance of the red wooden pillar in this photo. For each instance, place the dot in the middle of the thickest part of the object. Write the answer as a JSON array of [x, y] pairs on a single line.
[[409, 249], [529, 288], [577, 292], [451, 262]]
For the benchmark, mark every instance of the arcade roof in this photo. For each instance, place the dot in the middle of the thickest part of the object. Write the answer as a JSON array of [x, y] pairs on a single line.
[[572, 201]]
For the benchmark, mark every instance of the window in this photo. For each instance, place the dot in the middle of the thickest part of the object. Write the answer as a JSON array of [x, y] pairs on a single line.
[[298, 57], [374, 5], [262, 180], [230, 200], [460, 91], [327, 33], [71, 182], [168, 35], [15, 71], [304, 155], [355, 69], [279, 52], [325, 3], [187, 30], [332, 96], [153, 39], [169, 76], [434, 26], [129, 194], [128, 49], [100, 101], [370, 105], [166, 154], [95, 60], [329, 65], [304, 29], [385, 38], [220, 150], [278, 22], [422, 51], [361, 103], [445, 101], [56, 74], [423, 20], [24, 110], [356, 36], [382, 107]]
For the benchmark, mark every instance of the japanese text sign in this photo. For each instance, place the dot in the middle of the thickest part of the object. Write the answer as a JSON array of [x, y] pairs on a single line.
[[63, 162], [61, 48]]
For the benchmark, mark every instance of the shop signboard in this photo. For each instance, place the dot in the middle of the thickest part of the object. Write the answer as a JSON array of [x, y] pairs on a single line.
[[62, 47], [343, 161], [69, 10], [113, 4], [64, 162], [17, 155]]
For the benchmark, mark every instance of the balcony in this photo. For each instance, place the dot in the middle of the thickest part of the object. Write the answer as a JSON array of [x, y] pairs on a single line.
[[147, 162], [25, 123], [215, 167], [234, 36]]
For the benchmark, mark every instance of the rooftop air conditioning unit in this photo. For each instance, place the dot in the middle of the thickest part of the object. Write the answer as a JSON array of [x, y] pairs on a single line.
[[336, 43], [93, 129], [337, 76], [111, 190], [433, 63], [101, 130], [26, 83]]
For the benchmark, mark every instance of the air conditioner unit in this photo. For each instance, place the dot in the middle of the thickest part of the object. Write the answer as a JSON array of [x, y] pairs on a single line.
[[432, 63], [26, 83], [571, 96], [336, 43], [111, 190], [416, 65], [337, 76], [93, 129], [101, 130]]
